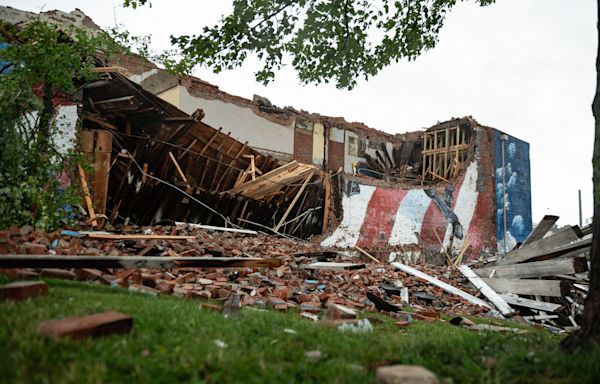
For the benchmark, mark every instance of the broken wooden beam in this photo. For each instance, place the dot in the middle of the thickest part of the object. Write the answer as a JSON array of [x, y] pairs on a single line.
[[367, 254], [532, 287], [533, 304], [543, 247], [541, 229], [115, 236], [536, 269], [445, 286], [131, 262], [327, 265], [486, 290], [220, 229]]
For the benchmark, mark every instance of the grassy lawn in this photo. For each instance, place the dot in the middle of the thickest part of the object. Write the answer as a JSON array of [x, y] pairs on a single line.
[[174, 341]]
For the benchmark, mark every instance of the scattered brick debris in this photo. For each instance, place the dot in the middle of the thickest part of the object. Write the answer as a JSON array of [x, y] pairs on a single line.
[[337, 293]]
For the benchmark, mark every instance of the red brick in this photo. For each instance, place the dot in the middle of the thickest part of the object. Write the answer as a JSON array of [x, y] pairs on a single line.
[[58, 274], [283, 293], [312, 307], [88, 274], [212, 307], [164, 287], [22, 290], [402, 323], [34, 249], [100, 324]]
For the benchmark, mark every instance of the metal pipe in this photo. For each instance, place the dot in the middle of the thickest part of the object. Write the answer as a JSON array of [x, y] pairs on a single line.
[[503, 139], [580, 217]]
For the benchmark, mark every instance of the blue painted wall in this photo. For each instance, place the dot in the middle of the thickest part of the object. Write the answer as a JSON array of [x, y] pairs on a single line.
[[518, 190], [5, 66]]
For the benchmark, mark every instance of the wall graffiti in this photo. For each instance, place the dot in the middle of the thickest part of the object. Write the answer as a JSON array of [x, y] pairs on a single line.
[[518, 191]]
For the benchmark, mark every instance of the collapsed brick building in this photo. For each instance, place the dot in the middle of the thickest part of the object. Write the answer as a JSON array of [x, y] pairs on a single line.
[[458, 183]]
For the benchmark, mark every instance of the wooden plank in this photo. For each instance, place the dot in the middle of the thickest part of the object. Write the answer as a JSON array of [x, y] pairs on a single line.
[[445, 286], [486, 290], [87, 197], [541, 229], [535, 269], [327, 265], [540, 247], [532, 287], [185, 180], [108, 69], [220, 229], [327, 182], [187, 149], [210, 141], [284, 168], [131, 262], [114, 236], [533, 304], [99, 121], [367, 254], [292, 204]]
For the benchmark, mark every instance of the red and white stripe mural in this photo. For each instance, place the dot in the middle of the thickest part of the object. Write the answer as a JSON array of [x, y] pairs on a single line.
[[376, 217]]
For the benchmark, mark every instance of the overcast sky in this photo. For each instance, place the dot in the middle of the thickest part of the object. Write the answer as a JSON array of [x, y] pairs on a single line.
[[525, 67]]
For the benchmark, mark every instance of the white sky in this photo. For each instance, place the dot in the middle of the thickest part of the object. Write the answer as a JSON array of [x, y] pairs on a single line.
[[523, 67]]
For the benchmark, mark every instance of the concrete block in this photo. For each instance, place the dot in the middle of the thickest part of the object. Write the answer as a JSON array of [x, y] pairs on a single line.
[[405, 374]]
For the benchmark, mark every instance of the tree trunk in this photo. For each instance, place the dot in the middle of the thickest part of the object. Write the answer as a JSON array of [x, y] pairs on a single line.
[[45, 121], [590, 329]]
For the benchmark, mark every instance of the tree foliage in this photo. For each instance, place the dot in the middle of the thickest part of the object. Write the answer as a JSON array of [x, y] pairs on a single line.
[[324, 40], [39, 65]]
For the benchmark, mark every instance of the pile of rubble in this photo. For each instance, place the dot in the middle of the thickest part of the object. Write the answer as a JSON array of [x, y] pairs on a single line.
[[309, 278], [543, 281]]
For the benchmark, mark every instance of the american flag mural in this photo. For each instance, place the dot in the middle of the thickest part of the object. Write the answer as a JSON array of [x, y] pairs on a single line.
[[378, 218]]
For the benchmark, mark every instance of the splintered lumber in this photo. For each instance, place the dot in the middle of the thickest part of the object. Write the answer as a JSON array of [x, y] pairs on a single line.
[[131, 262], [525, 287], [266, 176], [99, 324], [533, 304], [114, 236], [445, 286], [485, 289], [86, 195], [545, 247], [541, 229], [292, 204], [536, 269], [327, 265]]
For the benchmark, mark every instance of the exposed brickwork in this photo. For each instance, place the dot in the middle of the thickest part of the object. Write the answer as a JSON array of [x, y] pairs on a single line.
[[335, 155], [303, 145]]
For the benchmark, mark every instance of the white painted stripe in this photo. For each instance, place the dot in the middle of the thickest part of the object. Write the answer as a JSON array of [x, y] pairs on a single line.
[[465, 205], [355, 210], [409, 217]]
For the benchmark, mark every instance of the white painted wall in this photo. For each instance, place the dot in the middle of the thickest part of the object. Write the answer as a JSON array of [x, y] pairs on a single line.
[[242, 122]]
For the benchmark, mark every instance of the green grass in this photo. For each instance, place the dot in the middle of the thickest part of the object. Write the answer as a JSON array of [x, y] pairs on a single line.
[[173, 341]]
